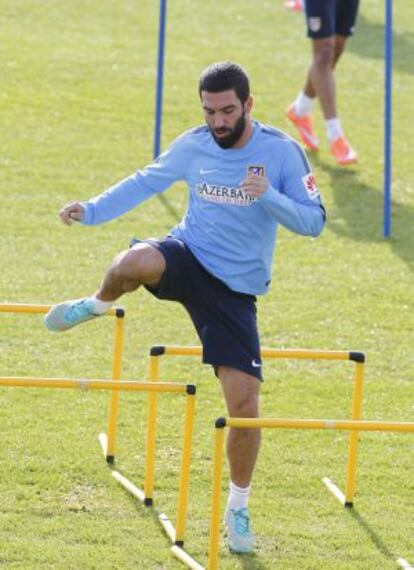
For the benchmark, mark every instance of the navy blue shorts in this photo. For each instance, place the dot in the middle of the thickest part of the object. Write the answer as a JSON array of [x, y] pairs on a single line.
[[225, 320], [326, 18]]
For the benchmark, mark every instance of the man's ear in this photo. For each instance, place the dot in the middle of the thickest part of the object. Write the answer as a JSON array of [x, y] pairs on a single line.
[[248, 104]]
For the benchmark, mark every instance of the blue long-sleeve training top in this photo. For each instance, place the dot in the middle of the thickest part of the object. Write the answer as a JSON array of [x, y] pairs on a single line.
[[231, 234]]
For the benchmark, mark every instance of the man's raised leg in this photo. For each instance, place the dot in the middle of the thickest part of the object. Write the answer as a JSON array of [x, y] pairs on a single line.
[[143, 264]]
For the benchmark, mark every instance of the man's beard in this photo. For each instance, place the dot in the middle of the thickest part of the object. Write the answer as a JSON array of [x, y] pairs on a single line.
[[234, 134]]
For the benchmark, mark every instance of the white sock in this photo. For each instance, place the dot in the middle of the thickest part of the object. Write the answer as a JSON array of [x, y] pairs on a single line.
[[303, 104], [238, 497], [100, 307], [333, 128]]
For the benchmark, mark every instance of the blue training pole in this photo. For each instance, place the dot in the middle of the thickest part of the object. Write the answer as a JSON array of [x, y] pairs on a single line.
[[160, 77], [388, 119]]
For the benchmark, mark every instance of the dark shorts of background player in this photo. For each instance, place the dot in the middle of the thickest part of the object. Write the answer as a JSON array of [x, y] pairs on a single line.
[[326, 18], [225, 320]]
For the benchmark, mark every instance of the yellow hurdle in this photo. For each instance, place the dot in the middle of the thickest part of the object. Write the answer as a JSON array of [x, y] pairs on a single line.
[[107, 442], [176, 535], [250, 423], [269, 354]]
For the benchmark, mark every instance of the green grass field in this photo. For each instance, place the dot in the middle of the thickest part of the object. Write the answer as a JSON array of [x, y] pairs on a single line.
[[76, 113]]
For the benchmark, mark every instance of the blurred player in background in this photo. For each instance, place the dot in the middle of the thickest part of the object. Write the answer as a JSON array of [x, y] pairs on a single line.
[[329, 24]]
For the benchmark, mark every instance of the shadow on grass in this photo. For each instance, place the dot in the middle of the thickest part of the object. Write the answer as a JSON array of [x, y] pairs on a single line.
[[249, 562], [369, 39], [373, 536], [359, 213]]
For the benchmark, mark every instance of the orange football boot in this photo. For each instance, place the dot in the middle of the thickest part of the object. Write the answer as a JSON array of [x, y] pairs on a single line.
[[343, 152], [304, 124]]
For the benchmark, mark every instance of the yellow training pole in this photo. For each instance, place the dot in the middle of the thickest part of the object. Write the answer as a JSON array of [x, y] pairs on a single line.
[[301, 354], [153, 375], [216, 495], [23, 308], [351, 425], [354, 436], [185, 467], [86, 384], [116, 375], [31, 308], [176, 350]]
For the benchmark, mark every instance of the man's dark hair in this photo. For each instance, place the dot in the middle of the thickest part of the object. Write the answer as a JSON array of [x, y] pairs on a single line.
[[223, 76]]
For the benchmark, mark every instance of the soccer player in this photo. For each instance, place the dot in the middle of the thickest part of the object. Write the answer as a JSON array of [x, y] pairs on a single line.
[[329, 23], [244, 179]]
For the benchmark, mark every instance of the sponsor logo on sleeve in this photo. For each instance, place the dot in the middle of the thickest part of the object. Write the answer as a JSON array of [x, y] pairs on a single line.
[[310, 185]]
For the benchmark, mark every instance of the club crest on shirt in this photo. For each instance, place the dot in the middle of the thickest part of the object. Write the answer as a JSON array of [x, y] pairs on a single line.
[[315, 24], [310, 185], [255, 169]]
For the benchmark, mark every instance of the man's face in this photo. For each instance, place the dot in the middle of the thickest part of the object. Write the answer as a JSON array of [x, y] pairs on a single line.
[[225, 116]]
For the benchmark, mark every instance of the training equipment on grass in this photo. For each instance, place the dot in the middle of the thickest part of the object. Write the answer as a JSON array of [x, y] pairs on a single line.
[[115, 385], [278, 423], [153, 386], [177, 534], [267, 354], [119, 314]]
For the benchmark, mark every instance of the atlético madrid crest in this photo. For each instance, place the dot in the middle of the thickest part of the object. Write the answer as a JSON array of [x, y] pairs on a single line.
[[258, 170]]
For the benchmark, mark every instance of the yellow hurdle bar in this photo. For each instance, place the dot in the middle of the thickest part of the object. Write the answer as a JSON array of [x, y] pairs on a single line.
[[320, 424], [116, 375], [356, 414], [86, 384], [185, 469], [305, 354], [153, 376], [216, 497], [281, 423], [37, 309]]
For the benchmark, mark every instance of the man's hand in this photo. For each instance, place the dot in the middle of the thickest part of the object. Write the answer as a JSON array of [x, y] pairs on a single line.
[[72, 212], [254, 185]]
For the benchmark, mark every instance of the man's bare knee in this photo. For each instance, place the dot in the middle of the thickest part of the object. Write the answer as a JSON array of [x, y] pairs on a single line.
[[241, 391], [143, 264], [246, 406]]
